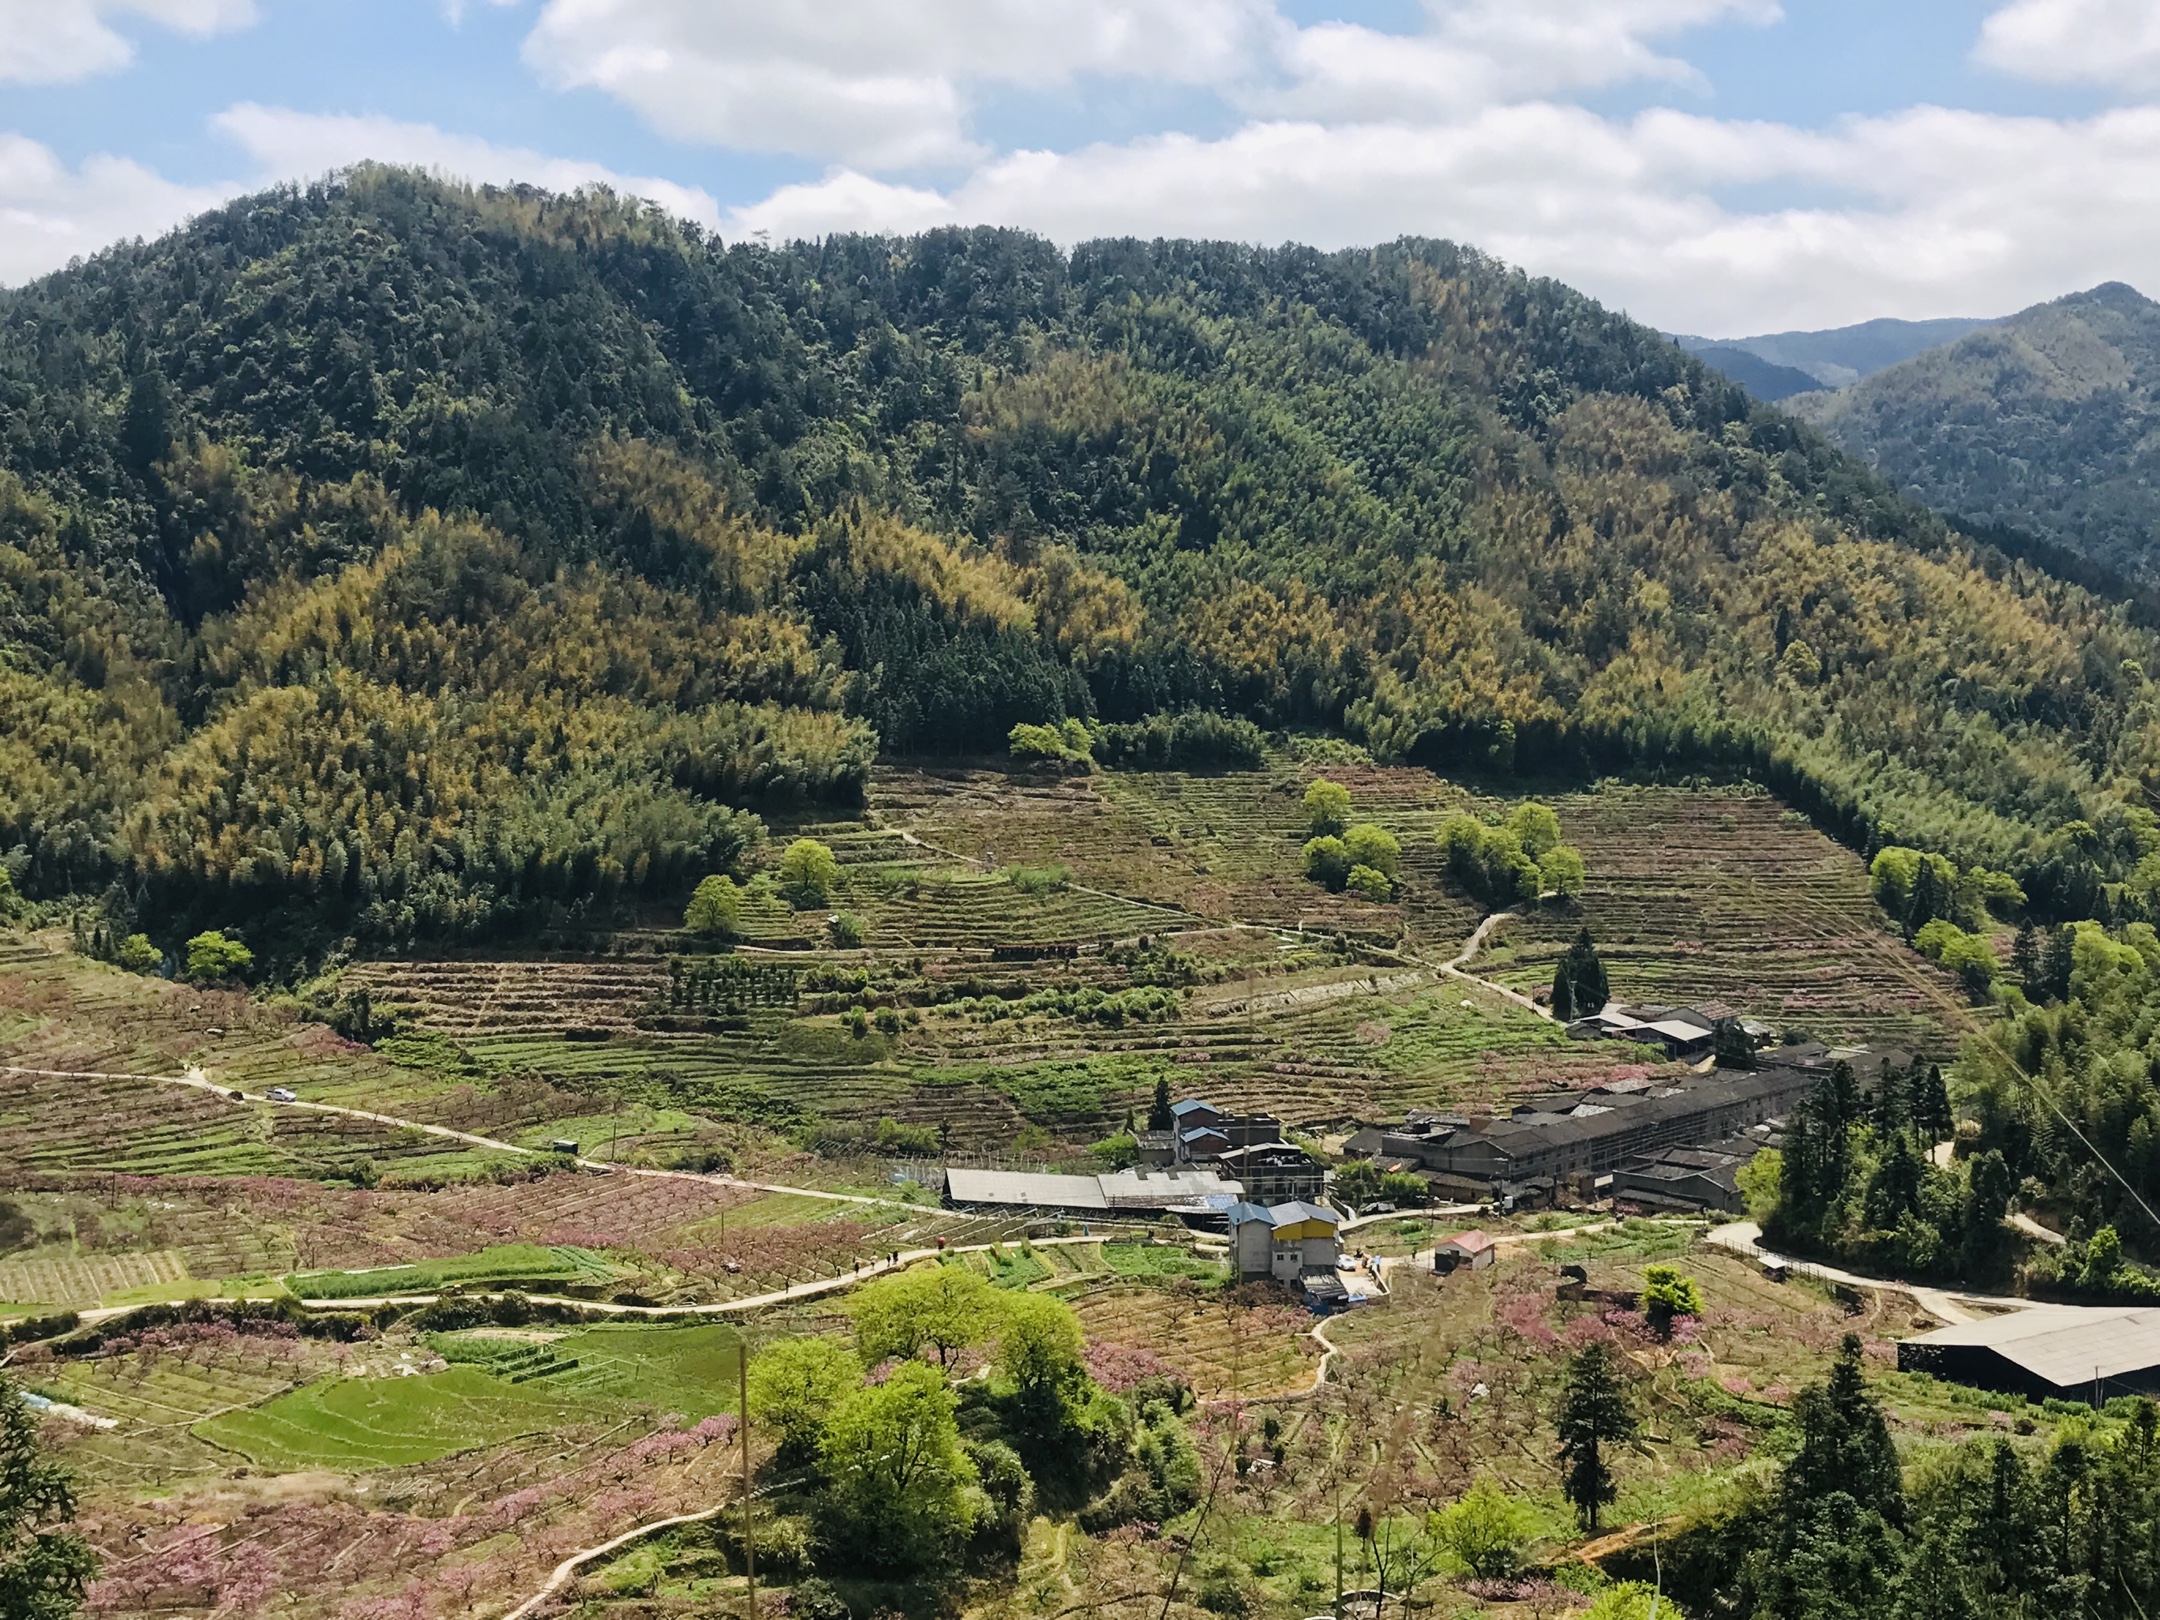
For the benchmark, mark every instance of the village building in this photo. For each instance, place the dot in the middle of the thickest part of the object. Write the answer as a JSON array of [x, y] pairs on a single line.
[[2047, 1352], [1284, 1241], [1128, 1192], [1465, 1251], [1573, 1139]]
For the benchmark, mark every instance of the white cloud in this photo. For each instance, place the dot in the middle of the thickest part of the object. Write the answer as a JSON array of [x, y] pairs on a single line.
[[296, 145], [1937, 211], [59, 41], [1480, 52], [2100, 41], [50, 213], [880, 84]]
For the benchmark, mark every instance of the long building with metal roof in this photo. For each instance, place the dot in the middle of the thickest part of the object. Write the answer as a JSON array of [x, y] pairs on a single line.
[[2059, 1352], [1137, 1192]]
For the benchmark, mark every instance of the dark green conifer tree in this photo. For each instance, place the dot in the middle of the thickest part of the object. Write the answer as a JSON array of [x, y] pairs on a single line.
[[1594, 1413]]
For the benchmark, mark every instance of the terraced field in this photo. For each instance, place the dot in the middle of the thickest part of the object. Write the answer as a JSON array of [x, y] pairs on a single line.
[[358, 1424], [1732, 899]]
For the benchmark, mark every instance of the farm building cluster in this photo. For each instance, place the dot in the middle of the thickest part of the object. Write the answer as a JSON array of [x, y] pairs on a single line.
[[1669, 1142]]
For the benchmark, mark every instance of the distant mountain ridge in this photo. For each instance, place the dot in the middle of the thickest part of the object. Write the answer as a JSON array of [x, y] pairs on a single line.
[[1778, 365], [2046, 424]]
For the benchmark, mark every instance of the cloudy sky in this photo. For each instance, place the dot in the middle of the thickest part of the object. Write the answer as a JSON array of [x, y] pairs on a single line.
[[1716, 166]]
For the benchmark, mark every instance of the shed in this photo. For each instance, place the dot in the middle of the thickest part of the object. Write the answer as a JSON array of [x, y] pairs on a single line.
[[2049, 1352], [1472, 1250]]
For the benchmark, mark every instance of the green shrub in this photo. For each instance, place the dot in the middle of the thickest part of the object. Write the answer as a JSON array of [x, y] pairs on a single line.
[[1327, 860], [1327, 807], [213, 958], [808, 872], [715, 910], [1039, 879], [1368, 884], [847, 930], [1486, 1531], [138, 955], [1375, 847]]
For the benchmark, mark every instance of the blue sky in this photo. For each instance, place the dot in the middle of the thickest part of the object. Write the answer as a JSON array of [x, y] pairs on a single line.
[[1721, 166]]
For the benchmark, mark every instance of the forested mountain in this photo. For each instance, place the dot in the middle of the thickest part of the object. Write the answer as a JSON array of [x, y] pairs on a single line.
[[401, 559], [1764, 379], [1839, 356], [2047, 425]]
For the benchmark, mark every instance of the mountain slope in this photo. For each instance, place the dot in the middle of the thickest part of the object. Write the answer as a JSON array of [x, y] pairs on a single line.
[[1762, 379], [2048, 424], [395, 559], [1842, 355]]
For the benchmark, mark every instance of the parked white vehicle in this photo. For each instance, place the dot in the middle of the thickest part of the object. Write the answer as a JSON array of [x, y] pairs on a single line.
[[281, 1094]]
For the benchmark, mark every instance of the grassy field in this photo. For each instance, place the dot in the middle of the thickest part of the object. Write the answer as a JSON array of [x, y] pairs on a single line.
[[510, 1262], [359, 1424]]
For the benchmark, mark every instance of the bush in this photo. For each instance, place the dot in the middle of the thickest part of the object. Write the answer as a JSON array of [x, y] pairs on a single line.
[[1488, 863], [1668, 1293], [1486, 1531], [213, 958], [138, 955], [1039, 879], [1195, 739], [1561, 872], [1368, 884], [1327, 860], [847, 930], [808, 872], [1066, 743], [1375, 847], [1327, 807], [715, 910]]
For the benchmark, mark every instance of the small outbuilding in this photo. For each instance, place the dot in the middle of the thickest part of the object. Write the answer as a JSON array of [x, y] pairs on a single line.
[[1465, 1251], [2047, 1352]]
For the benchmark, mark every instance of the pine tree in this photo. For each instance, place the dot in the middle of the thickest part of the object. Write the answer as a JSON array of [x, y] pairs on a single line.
[[2059, 963], [2025, 957], [1845, 1446], [1594, 1413], [1580, 987], [1159, 1116], [1925, 903], [43, 1567], [1931, 1104]]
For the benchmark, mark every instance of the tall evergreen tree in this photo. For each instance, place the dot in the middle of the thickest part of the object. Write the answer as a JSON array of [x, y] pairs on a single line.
[[1594, 1413], [1159, 1117], [2025, 957], [1931, 1104], [1580, 987], [2059, 963], [1845, 1446], [1926, 901], [44, 1566]]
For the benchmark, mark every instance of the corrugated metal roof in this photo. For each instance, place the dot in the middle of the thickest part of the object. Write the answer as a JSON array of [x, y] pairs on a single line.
[[1291, 1214], [2067, 1345], [1024, 1190]]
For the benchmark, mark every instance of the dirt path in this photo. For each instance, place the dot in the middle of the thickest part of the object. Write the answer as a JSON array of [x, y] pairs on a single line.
[[197, 1080], [1457, 966], [726, 1307], [1957, 1306]]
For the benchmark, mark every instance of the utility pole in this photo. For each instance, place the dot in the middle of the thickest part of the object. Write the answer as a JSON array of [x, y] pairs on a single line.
[[1338, 1547], [749, 1548]]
